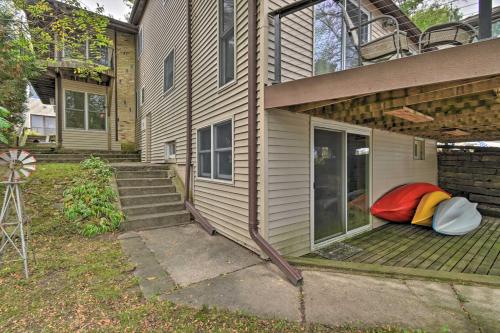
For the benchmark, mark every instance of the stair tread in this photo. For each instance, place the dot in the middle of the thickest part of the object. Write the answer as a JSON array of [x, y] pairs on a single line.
[[144, 187], [144, 179], [151, 216], [173, 203], [148, 195]]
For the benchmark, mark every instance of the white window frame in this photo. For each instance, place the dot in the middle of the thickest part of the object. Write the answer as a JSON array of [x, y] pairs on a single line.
[[140, 41], [142, 93], [416, 156], [212, 152], [169, 155], [318, 123], [166, 91], [219, 54], [86, 112]]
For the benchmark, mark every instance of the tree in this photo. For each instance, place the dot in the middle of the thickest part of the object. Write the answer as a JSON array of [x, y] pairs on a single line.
[[426, 13], [33, 32]]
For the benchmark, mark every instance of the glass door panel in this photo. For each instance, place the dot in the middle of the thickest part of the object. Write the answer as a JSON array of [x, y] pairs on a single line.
[[329, 213], [358, 166]]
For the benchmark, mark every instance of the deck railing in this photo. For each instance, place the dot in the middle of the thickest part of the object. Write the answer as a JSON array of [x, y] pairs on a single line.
[[314, 37]]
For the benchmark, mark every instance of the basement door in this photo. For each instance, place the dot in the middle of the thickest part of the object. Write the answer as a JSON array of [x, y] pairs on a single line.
[[340, 183]]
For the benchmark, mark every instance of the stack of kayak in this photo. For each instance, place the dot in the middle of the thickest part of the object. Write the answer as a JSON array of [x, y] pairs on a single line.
[[428, 205]]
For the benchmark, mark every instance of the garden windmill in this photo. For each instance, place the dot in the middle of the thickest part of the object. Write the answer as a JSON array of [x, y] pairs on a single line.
[[20, 165]]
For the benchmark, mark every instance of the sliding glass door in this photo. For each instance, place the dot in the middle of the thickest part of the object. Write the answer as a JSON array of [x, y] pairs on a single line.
[[328, 185], [341, 183]]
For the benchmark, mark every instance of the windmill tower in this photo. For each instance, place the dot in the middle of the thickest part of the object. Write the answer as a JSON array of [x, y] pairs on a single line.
[[13, 228]]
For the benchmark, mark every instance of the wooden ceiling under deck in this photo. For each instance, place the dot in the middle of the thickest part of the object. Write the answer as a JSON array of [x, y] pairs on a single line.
[[447, 103], [459, 111]]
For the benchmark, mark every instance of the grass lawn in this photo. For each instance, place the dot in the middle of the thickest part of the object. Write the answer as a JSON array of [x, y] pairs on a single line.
[[86, 284]]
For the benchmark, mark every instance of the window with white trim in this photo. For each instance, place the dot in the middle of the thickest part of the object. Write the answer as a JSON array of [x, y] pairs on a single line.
[[142, 95], [140, 41], [226, 42], [86, 111], [215, 151], [168, 72], [419, 149], [170, 150]]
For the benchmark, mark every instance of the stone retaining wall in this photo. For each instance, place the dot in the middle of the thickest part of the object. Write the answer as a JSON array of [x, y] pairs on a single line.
[[473, 173]]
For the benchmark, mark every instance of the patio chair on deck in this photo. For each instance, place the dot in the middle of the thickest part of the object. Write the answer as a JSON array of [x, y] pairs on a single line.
[[392, 45], [446, 35]]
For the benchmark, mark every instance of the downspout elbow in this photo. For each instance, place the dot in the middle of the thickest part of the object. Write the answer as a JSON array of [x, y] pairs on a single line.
[[292, 273]]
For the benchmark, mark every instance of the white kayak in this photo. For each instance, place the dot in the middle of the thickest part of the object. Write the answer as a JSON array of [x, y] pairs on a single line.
[[456, 216]]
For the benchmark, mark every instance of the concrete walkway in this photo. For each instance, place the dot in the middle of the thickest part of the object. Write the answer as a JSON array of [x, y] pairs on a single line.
[[186, 266]]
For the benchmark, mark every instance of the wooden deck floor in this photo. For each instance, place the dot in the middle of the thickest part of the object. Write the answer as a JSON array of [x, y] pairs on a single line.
[[405, 245]]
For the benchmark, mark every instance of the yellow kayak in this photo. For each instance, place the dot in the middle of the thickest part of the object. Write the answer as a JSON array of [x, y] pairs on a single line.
[[427, 207]]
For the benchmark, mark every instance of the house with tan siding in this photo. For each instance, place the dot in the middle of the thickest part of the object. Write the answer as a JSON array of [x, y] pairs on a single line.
[[281, 148], [97, 115]]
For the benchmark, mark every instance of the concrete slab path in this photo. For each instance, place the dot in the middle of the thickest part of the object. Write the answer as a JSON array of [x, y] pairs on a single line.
[[186, 266]]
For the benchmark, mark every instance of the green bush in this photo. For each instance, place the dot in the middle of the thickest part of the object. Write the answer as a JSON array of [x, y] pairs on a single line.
[[90, 202]]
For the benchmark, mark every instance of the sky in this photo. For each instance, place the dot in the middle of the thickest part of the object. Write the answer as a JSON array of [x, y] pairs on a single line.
[[117, 9], [114, 8]]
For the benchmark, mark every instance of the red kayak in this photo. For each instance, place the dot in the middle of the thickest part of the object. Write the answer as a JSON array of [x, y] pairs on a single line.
[[399, 205]]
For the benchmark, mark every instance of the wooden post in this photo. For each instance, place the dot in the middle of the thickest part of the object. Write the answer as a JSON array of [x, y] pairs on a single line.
[[485, 17]]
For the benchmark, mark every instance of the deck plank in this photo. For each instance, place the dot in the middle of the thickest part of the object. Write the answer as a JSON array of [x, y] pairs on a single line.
[[456, 246], [384, 245], [404, 245], [474, 250], [462, 251], [405, 250], [432, 252], [372, 245], [473, 266], [423, 250]]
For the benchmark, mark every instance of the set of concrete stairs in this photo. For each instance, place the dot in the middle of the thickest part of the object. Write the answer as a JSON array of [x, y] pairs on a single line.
[[148, 197]]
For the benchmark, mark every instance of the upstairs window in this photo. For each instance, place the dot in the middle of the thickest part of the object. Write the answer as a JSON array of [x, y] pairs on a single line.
[[226, 42], [168, 72], [215, 151], [142, 96]]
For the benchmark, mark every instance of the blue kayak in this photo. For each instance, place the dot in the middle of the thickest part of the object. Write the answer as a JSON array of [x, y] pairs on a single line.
[[456, 216]]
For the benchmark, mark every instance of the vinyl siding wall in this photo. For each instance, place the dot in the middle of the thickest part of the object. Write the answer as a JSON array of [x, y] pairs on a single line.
[[164, 29], [289, 175], [393, 163], [224, 204]]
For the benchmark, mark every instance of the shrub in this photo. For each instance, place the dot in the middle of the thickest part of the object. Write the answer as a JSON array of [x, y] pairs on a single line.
[[90, 202]]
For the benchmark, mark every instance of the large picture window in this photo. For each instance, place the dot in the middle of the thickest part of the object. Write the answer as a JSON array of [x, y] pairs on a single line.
[[226, 42], [168, 72], [85, 111], [215, 151]]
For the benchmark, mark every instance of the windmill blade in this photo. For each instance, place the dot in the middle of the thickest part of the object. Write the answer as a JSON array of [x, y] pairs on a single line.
[[31, 167], [5, 157], [26, 173], [29, 160], [23, 155], [13, 154]]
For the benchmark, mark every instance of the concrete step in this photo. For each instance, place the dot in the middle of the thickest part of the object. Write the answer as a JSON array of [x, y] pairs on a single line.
[[140, 167], [168, 207], [78, 160], [142, 190], [160, 220], [142, 174], [63, 156], [148, 199], [143, 182]]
